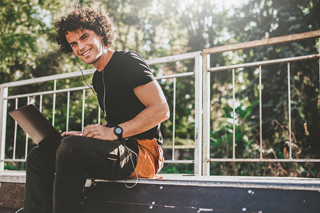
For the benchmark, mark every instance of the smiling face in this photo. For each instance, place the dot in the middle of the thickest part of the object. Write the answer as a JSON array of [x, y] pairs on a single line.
[[87, 46]]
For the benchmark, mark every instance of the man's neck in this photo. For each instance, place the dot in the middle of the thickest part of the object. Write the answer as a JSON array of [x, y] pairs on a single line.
[[103, 60]]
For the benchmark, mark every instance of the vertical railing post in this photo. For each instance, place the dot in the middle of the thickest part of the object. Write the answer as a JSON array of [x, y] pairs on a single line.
[[15, 132], [206, 115], [3, 124], [198, 115], [68, 111], [54, 102], [289, 109], [174, 117], [234, 115], [260, 111], [83, 103], [27, 137]]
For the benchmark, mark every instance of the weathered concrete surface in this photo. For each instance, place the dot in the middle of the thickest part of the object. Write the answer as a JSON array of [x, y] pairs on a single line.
[[12, 195], [218, 194], [8, 176], [12, 188]]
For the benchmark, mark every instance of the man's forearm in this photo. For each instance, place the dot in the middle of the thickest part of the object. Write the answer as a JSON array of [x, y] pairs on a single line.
[[147, 119]]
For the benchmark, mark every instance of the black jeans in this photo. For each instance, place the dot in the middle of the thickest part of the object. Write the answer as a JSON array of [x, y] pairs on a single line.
[[55, 179]]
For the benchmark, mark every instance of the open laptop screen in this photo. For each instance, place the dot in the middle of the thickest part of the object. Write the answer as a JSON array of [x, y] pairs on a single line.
[[33, 122]]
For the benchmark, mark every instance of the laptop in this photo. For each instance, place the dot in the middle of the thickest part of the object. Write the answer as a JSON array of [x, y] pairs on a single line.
[[33, 122]]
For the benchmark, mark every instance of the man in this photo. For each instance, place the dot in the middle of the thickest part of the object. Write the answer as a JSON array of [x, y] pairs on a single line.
[[126, 145]]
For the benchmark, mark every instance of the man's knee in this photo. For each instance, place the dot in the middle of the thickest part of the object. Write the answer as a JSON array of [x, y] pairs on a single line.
[[35, 154], [39, 157], [71, 146]]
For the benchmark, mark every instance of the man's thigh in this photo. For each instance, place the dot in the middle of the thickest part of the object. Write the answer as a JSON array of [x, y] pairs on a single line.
[[101, 158]]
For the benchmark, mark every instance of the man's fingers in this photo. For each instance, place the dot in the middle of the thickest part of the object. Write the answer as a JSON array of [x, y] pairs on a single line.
[[95, 131], [71, 133], [92, 134], [87, 131]]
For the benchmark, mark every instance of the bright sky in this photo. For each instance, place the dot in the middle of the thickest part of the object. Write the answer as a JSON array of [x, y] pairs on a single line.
[[233, 2]]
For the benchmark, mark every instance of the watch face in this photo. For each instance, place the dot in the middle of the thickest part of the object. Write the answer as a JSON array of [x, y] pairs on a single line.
[[118, 130]]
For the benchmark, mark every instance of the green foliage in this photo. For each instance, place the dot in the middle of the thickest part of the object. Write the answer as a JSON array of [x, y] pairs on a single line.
[[26, 47], [177, 169], [14, 166]]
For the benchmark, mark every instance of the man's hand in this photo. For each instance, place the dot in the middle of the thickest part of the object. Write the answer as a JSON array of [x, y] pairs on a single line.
[[100, 132], [78, 133]]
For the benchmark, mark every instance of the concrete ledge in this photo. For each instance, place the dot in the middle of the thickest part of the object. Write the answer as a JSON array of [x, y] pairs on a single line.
[[286, 183], [9, 176], [292, 183], [186, 194]]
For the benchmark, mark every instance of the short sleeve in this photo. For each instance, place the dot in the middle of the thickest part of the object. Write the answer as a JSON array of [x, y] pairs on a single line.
[[136, 71]]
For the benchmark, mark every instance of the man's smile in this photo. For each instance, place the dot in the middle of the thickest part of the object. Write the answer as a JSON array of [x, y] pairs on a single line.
[[86, 52]]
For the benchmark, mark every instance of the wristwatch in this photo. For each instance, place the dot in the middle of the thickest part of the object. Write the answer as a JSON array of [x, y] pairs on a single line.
[[118, 131]]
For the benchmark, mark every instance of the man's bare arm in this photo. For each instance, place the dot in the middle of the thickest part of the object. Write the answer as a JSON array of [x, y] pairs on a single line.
[[157, 109]]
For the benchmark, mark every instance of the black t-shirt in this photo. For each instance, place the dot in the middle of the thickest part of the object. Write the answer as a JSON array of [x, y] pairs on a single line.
[[124, 72]]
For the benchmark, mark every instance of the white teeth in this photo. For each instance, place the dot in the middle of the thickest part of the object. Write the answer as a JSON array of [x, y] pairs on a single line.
[[85, 53]]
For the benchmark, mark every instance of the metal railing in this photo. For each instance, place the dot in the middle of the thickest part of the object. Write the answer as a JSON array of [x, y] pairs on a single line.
[[202, 107], [197, 73], [206, 95]]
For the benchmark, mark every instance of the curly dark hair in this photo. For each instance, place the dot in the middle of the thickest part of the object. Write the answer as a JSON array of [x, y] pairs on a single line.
[[85, 18]]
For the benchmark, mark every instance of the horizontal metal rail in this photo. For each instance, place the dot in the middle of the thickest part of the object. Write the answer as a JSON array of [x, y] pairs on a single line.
[[13, 160], [263, 63], [262, 42], [166, 161], [263, 160], [86, 87], [47, 92], [174, 58], [91, 71], [179, 161]]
